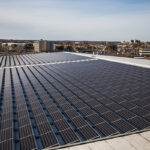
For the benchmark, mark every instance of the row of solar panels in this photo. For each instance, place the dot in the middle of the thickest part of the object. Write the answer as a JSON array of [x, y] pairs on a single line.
[[70, 115], [43, 107], [16, 60]]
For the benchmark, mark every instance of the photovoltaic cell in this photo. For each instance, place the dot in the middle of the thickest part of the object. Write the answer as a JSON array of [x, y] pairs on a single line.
[[111, 116], [48, 140], [80, 105], [101, 109], [140, 111], [56, 116], [62, 124], [93, 103], [23, 121], [79, 122], [69, 136], [66, 107], [123, 126], [106, 129], [25, 131], [40, 118], [86, 111], [27, 143], [6, 134], [52, 109], [114, 106], [147, 107], [88, 135], [22, 114], [95, 119], [69, 101], [139, 122], [6, 124], [128, 105], [44, 127], [147, 117], [6, 145], [6, 116], [71, 113]]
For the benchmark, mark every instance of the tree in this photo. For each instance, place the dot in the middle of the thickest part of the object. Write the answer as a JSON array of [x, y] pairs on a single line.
[[6, 48], [14, 47], [28, 47], [60, 47], [1, 48], [69, 48], [111, 48]]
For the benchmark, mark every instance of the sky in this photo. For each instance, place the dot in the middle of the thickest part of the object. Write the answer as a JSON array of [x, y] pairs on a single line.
[[93, 20]]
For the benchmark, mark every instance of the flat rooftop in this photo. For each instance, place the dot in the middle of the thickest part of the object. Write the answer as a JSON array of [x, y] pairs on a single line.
[[56, 100]]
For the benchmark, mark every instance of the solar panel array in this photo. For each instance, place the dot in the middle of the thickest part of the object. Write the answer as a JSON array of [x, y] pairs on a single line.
[[29, 59], [52, 105]]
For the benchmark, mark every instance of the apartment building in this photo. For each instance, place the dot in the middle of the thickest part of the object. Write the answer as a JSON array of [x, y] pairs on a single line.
[[43, 46], [144, 52]]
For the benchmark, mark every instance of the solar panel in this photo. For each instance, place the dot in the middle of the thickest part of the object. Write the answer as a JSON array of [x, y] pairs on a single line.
[[40, 118], [56, 104], [25, 131], [79, 122], [124, 126], [48, 140], [104, 100], [101, 109], [88, 135], [23, 121], [114, 106], [139, 122], [6, 134], [147, 107], [6, 124], [80, 105], [61, 125], [95, 119], [56, 116], [118, 99], [6, 116], [69, 136], [140, 111], [22, 114], [86, 111], [111, 116], [37, 111], [147, 117], [52, 108], [141, 103], [128, 105], [71, 113], [106, 129], [126, 114], [93, 103], [6, 145], [27, 143], [44, 127], [66, 107]]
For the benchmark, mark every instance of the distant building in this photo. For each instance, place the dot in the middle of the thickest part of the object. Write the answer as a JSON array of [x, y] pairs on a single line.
[[134, 41], [10, 46], [44, 46], [54, 46], [137, 41], [144, 52], [131, 41], [36, 46]]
